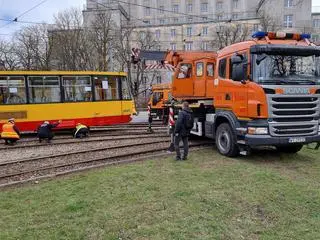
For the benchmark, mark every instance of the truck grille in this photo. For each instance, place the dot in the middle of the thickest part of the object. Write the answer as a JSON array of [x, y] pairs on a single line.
[[293, 115]]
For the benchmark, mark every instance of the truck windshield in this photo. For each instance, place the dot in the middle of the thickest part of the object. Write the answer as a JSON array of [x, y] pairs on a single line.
[[157, 97], [286, 69]]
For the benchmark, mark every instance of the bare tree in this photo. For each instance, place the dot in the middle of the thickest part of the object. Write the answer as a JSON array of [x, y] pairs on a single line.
[[230, 33], [140, 79], [122, 48], [8, 57], [26, 45], [33, 48], [72, 50], [268, 22], [123, 53], [102, 38]]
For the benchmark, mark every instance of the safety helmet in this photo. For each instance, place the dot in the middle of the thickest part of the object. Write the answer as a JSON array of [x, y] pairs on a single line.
[[11, 120], [46, 122]]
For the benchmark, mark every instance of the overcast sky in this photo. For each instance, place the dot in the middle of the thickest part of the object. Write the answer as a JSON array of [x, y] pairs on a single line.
[[10, 9]]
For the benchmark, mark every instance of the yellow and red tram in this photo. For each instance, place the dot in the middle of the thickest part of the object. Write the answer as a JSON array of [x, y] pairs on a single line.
[[92, 98]]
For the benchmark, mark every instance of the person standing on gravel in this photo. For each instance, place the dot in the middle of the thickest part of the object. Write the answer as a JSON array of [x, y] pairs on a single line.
[[45, 131], [10, 132], [183, 126]]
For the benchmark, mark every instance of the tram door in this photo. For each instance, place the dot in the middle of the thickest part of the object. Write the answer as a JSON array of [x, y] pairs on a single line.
[[106, 92]]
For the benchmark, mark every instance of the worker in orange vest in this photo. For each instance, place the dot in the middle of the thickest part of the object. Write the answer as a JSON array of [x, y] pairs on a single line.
[[10, 132]]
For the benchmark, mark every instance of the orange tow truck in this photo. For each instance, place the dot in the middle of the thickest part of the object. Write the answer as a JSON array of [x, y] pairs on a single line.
[[261, 92], [159, 99]]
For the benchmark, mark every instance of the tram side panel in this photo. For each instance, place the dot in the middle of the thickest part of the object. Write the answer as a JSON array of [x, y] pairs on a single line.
[[29, 116], [67, 96]]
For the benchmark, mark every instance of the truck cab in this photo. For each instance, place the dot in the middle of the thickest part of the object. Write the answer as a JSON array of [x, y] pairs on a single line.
[[266, 92], [159, 99]]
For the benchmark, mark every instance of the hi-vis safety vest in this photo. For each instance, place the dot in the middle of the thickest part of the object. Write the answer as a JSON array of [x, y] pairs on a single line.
[[78, 127], [9, 132]]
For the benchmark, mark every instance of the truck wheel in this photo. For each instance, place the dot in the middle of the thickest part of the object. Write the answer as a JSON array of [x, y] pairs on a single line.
[[226, 141], [289, 148]]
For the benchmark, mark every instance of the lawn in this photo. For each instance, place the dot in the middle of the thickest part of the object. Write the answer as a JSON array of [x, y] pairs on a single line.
[[264, 196]]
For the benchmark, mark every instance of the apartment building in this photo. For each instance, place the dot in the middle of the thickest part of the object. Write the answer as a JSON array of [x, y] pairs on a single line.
[[193, 24], [203, 24], [291, 15], [316, 24]]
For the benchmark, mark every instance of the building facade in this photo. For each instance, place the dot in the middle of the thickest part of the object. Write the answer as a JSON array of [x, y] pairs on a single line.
[[202, 24], [316, 24], [194, 24]]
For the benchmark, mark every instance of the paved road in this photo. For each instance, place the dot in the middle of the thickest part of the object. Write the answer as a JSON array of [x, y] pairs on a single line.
[[142, 117]]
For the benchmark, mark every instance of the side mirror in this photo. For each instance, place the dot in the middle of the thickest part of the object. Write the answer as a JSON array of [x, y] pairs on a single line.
[[243, 81]]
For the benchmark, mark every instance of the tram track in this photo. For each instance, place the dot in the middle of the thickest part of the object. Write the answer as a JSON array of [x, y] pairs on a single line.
[[135, 128], [115, 131], [62, 135], [129, 125], [32, 169], [67, 140]]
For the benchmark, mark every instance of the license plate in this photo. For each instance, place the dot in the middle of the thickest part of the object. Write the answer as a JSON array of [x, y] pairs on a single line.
[[297, 140]]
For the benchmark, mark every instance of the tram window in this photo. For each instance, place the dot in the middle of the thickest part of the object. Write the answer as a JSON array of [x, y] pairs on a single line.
[[125, 89], [12, 90], [106, 88], [77, 88], [44, 89]]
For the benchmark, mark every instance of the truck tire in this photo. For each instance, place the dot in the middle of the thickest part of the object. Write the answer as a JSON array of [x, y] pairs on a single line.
[[226, 141], [289, 148]]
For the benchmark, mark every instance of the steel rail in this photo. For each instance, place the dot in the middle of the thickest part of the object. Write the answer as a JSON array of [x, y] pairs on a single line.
[[105, 161], [95, 133], [92, 150], [77, 141]]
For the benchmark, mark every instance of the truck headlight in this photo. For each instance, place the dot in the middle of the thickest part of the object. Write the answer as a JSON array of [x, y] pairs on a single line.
[[257, 130]]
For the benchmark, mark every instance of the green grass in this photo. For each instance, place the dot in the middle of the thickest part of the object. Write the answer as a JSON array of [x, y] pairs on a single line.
[[264, 196]]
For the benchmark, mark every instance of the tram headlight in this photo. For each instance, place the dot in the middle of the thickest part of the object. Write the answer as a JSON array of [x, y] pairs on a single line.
[[257, 130]]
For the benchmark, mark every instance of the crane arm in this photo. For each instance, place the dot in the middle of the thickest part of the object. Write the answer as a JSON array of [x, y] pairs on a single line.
[[175, 57]]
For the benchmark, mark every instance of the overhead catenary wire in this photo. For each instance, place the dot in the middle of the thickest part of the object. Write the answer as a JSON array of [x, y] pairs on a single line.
[[172, 25], [144, 20], [24, 22], [159, 26], [154, 26], [29, 10], [164, 10], [184, 35], [22, 14], [212, 20]]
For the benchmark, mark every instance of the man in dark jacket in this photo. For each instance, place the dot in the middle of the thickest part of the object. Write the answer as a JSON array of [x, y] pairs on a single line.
[[182, 131], [45, 131]]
